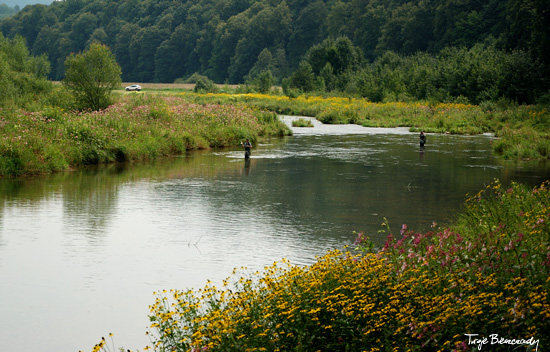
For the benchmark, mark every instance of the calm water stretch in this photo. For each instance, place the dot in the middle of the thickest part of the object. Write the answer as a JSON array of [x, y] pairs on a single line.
[[81, 253]]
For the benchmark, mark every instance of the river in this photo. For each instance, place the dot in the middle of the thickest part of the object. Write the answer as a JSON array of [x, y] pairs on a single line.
[[82, 252]]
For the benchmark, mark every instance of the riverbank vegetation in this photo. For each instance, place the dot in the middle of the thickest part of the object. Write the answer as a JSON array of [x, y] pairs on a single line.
[[420, 291], [522, 131], [30, 147], [44, 137], [301, 122], [134, 128]]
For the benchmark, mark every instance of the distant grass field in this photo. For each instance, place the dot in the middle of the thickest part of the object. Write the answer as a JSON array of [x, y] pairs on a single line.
[[174, 86], [168, 86], [161, 86]]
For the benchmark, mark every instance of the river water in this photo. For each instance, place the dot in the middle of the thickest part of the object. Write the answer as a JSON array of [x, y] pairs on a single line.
[[81, 253]]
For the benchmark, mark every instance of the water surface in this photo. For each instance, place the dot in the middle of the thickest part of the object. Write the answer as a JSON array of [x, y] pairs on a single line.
[[82, 253]]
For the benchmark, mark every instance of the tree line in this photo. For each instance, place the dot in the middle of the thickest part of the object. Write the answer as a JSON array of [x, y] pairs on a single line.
[[374, 48], [6, 11], [455, 74]]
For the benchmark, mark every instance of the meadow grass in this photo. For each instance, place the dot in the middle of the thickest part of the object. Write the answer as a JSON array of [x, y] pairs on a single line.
[[136, 127], [523, 132], [420, 291], [301, 122], [149, 125]]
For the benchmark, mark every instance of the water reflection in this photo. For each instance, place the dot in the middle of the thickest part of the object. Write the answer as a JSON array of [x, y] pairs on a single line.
[[85, 250]]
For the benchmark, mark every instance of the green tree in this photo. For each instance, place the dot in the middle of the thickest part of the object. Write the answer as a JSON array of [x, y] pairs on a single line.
[[264, 63], [341, 54], [408, 29], [83, 27], [327, 74], [227, 38], [303, 78], [98, 36], [143, 48], [122, 49], [92, 75], [262, 82], [269, 28], [22, 76], [308, 30], [6, 11]]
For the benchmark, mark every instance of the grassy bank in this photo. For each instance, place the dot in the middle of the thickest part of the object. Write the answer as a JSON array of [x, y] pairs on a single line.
[[523, 131], [171, 121], [137, 127], [425, 291]]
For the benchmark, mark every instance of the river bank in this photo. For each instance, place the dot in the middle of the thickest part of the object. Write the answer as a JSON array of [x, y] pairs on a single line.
[[433, 290], [135, 128], [522, 131], [142, 126]]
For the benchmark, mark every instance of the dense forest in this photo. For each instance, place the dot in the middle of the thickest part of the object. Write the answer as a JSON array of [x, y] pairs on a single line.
[[6, 11], [11, 7], [22, 3], [503, 44]]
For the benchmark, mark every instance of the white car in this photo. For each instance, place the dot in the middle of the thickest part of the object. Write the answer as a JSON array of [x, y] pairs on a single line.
[[134, 87]]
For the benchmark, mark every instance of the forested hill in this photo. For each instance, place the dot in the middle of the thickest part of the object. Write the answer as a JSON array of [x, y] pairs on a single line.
[[23, 3], [162, 40]]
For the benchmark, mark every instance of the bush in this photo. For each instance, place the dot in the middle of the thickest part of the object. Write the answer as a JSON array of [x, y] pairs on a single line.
[[262, 82], [421, 292], [205, 87], [302, 123]]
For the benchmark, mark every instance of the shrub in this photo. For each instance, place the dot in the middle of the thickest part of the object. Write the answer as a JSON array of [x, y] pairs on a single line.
[[422, 292], [205, 87], [302, 123]]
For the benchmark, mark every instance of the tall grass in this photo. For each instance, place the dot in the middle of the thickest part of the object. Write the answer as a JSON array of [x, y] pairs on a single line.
[[517, 209], [135, 128], [436, 291], [523, 132]]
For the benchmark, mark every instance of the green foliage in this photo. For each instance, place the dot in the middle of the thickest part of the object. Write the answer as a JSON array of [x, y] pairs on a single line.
[[303, 78], [194, 78], [262, 82], [22, 76], [205, 86], [341, 54], [138, 127], [288, 91], [302, 123], [228, 41], [518, 208], [91, 76], [6, 11], [481, 73], [421, 291]]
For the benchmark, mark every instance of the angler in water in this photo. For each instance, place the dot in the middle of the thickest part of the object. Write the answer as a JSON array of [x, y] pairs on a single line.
[[247, 148], [422, 138]]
